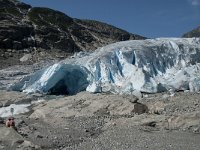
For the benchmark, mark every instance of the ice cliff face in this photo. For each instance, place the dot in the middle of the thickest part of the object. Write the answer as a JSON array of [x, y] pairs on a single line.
[[145, 65]]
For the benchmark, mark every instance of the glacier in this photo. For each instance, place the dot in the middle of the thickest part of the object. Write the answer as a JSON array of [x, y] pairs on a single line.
[[151, 66]]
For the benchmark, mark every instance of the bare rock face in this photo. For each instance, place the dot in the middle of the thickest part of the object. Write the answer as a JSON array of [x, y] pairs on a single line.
[[14, 30], [193, 33], [23, 27], [56, 30]]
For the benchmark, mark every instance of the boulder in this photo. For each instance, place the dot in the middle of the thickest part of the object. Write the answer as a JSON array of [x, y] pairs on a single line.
[[26, 57], [17, 45]]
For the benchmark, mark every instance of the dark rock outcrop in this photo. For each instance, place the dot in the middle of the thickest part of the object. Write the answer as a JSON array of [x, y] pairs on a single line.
[[193, 33], [13, 28]]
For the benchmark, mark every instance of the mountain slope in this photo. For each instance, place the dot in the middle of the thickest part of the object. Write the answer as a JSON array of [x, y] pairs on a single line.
[[193, 33], [26, 29]]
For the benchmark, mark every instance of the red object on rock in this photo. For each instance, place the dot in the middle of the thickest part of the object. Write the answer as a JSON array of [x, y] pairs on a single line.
[[10, 122]]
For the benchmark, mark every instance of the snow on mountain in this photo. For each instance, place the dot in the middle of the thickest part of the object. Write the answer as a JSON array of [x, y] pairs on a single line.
[[152, 65]]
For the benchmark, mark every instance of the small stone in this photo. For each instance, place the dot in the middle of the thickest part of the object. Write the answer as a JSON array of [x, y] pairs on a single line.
[[92, 134], [24, 135], [114, 124], [37, 147], [39, 136], [33, 128], [9, 50], [150, 124], [26, 57], [196, 130], [10, 54], [1, 105], [134, 100], [19, 141], [17, 45], [26, 50]]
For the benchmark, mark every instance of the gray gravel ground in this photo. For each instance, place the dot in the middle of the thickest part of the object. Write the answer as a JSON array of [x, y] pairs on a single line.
[[133, 138], [105, 122]]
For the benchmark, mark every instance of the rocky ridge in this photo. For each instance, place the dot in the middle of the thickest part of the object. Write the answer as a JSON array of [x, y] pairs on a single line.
[[193, 33]]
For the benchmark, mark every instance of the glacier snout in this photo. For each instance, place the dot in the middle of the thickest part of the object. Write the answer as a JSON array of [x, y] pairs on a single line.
[[151, 66], [56, 79]]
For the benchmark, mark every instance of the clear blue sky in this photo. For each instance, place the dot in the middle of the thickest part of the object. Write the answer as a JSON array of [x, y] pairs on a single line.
[[150, 18]]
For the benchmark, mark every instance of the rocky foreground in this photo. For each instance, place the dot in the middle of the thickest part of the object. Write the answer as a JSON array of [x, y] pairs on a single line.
[[103, 121]]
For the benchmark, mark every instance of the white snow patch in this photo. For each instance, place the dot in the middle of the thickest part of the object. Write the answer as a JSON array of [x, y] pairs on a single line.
[[18, 109]]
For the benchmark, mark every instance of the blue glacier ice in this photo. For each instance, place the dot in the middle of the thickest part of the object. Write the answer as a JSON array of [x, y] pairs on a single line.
[[152, 65]]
